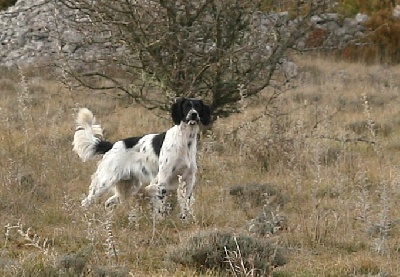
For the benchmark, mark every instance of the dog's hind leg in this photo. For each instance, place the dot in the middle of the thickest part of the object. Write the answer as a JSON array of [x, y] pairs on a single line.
[[123, 189], [100, 184]]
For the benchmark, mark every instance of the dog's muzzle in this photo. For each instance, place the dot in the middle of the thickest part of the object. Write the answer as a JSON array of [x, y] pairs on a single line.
[[192, 118]]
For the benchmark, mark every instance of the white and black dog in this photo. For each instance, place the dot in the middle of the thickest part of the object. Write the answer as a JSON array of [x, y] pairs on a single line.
[[161, 160]]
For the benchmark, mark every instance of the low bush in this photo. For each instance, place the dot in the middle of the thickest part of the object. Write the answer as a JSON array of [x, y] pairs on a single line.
[[224, 251], [4, 4], [383, 44]]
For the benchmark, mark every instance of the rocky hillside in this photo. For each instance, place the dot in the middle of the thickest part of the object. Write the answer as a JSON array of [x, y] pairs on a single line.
[[28, 33], [35, 31]]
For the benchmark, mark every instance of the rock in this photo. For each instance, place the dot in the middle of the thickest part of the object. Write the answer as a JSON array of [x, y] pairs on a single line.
[[396, 12], [361, 18]]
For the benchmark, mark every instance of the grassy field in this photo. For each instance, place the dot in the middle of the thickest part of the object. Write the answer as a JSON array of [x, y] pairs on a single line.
[[317, 175]]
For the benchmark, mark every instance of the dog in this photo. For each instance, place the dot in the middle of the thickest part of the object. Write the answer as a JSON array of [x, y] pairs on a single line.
[[162, 160]]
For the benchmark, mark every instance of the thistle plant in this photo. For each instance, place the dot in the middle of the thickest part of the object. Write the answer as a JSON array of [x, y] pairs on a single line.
[[23, 105], [134, 215], [381, 244], [370, 124], [363, 206], [30, 237], [110, 244], [91, 228]]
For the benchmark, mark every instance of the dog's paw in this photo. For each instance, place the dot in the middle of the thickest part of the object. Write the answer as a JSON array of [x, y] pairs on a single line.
[[183, 216], [155, 190], [161, 193], [112, 202], [86, 202]]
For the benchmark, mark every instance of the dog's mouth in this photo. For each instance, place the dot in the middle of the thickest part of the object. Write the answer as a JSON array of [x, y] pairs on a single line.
[[192, 118], [193, 121]]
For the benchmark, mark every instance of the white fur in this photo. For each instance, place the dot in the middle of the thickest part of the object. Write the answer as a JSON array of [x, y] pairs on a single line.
[[87, 134], [122, 168]]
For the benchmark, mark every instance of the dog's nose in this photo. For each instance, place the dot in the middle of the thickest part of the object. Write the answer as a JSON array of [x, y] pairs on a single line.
[[194, 116]]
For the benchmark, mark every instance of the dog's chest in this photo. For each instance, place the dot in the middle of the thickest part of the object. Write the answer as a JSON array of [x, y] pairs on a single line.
[[179, 149]]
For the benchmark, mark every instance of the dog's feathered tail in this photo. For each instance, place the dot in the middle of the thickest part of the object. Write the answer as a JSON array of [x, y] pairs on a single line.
[[88, 138]]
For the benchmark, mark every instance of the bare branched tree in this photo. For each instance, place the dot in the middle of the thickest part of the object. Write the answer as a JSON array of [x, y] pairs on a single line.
[[220, 50]]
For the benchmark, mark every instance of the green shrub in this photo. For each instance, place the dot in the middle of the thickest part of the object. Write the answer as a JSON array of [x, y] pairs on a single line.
[[383, 44], [350, 8], [4, 4]]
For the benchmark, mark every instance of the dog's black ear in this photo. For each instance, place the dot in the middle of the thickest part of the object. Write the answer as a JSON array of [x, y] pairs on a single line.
[[205, 116], [176, 111]]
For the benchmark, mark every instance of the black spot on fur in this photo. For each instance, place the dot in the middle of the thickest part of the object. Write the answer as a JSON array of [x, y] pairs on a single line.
[[103, 146], [189, 144], [177, 111], [173, 168], [157, 142], [130, 142], [205, 114], [144, 171], [144, 149]]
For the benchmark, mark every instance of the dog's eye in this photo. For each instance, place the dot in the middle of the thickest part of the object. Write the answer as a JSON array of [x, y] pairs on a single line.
[[196, 105], [187, 105]]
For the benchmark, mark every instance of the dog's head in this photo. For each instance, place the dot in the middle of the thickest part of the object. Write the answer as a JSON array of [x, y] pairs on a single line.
[[191, 111]]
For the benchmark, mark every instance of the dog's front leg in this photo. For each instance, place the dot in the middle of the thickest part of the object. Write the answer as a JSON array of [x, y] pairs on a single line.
[[188, 180], [158, 192]]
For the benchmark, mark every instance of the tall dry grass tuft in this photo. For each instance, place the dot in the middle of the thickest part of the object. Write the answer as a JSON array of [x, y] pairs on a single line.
[[381, 243], [236, 262]]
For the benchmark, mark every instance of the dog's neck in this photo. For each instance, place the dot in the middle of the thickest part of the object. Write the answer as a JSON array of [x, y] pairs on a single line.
[[188, 137], [189, 131]]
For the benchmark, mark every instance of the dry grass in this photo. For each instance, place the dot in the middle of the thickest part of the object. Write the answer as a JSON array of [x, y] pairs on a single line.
[[332, 159]]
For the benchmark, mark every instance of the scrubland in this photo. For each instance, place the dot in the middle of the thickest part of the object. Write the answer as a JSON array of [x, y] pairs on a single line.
[[316, 175]]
